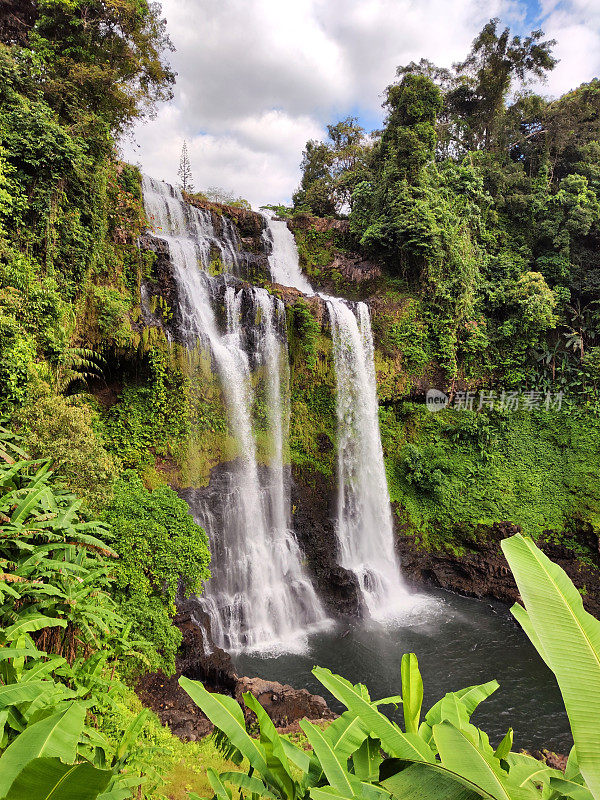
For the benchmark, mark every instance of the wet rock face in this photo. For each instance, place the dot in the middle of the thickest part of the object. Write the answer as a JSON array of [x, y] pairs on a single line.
[[250, 224], [483, 571], [199, 658], [313, 522], [161, 281], [253, 256]]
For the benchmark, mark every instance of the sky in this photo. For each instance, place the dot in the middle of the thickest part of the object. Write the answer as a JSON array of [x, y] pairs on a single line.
[[257, 78]]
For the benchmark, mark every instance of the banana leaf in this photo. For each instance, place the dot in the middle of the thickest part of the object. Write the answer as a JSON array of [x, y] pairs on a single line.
[[55, 736], [460, 755], [568, 639], [49, 778], [225, 713], [396, 743], [412, 692]]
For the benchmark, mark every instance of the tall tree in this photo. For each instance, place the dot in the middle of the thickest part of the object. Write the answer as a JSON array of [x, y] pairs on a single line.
[[332, 169], [476, 90], [496, 64], [102, 62], [185, 171]]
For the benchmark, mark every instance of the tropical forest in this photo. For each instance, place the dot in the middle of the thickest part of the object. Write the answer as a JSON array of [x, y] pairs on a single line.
[[299, 473]]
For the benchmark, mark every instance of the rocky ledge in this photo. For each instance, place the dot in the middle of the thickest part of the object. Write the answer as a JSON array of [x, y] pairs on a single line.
[[482, 571], [200, 659]]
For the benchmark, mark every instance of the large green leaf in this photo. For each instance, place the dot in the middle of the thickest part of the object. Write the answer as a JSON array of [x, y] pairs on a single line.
[[296, 755], [396, 743], [26, 505], [225, 713], [55, 736], [346, 734], [20, 652], [247, 782], [460, 755], [363, 791], [276, 758], [472, 696], [221, 791], [569, 789], [366, 760], [412, 692], [457, 707], [430, 782], [569, 642], [329, 793], [528, 771], [335, 770], [505, 746], [50, 779], [30, 624], [16, 693]]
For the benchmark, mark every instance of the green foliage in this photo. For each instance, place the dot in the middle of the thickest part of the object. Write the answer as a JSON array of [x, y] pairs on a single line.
[[453, 474], [565, 635], [332, 169], [64, 433], [159, 545], [482, 200], [216, 194], [152, 416], [67, 723], [307, 330], [312, 419]]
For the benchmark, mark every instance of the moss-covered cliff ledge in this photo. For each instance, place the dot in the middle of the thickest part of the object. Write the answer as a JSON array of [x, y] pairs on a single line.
[[454, 476], [328, 255]]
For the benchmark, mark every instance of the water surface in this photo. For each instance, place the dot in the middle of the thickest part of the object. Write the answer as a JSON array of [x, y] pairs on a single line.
[[459, 641]]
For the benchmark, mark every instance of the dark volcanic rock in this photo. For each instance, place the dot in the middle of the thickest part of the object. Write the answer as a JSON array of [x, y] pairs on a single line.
[[201, 660], [482, 571], [284, 704], [314, 527]]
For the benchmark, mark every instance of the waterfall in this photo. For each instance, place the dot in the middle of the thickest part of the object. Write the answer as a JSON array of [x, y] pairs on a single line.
[[283, 258], [364, 523], [258, 596], [364, 526]]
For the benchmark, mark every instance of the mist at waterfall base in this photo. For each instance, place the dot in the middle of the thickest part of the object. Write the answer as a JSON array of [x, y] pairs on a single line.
[[459, 642]]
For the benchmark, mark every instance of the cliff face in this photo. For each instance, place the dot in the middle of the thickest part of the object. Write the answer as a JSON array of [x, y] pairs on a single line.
[[462, 478], [458, 479]]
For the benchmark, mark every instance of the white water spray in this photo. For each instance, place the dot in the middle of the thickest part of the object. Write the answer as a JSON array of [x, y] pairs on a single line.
[[258, 596], [364, 519]]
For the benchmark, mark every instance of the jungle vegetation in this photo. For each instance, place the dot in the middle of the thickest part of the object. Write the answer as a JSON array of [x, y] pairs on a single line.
[[482, 197]]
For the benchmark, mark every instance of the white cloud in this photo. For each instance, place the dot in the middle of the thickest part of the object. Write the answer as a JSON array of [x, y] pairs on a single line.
[[575, 24], [257, 78]]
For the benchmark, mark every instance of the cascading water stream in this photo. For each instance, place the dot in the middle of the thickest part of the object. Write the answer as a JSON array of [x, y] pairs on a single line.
[[364, 524], [258, 596], [283, 258], [364, 518]]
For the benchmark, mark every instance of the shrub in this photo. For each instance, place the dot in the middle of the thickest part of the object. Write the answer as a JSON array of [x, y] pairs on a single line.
[[159, 545]]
